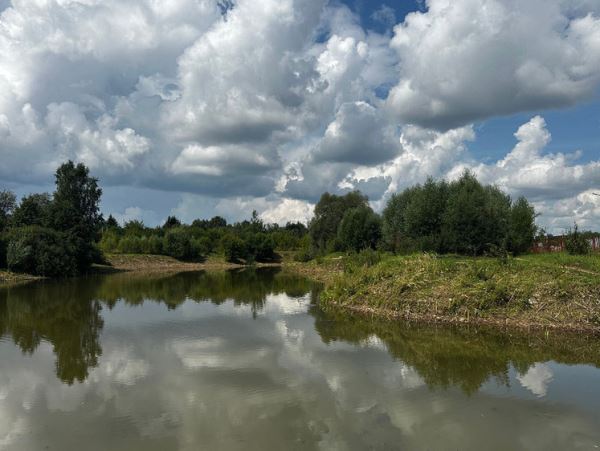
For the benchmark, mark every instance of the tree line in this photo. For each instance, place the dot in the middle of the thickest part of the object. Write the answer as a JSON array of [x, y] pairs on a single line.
[[64, 233], [461, 217], [242, 242]]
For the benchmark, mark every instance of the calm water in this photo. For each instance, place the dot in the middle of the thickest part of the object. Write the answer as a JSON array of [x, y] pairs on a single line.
[[245, 360]]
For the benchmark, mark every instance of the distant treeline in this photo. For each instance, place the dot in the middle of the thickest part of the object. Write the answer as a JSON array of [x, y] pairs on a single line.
[[245, 241], [64, 233]]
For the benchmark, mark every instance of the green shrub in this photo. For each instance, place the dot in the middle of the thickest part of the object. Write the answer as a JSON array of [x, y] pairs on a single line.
[[364, 259], [576, 243], [360, 229], [130, 245], [109, 241], [152, 245], [260, 247], [41, 251], [234, 248], [177, 243]]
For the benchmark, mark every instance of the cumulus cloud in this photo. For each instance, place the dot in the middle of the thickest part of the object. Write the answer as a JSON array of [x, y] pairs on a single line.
[[527, 170], [360, 135], [467, 60], [269, 103]]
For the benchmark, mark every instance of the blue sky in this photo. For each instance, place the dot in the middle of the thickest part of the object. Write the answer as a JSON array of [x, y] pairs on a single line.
[[196, 112]]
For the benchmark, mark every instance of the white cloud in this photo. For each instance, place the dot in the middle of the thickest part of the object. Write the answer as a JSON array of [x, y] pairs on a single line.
[[464, 60], [292, 210], [275, 102], [360, 134]]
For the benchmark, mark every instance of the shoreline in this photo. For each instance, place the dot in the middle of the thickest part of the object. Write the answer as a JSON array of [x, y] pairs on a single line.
[[377, 299], [164, 264], [393, 306]]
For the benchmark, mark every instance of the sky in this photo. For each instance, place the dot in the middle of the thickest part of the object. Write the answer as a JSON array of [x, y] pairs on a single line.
[[218, 107]]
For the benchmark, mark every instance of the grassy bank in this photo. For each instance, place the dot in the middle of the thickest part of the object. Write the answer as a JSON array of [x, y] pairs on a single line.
[[540, 291], [162, 263]]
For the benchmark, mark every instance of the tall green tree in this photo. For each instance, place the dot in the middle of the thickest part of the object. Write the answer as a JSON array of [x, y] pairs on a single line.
[[359, 229], [522, 228], [476, 217], [394, 223], [75, 210], [329, 212], [33, 210], [424, 215]]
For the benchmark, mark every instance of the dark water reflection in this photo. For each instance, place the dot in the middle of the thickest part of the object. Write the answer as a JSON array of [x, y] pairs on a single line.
[[246, 360]]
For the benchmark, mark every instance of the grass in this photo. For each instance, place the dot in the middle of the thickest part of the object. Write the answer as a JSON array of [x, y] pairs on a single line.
[[551, 290]]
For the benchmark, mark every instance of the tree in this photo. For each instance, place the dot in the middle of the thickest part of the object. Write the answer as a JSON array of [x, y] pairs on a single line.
[[329, 212], [41, 251], [171, 221], [75, 211], [424, 214], [360, 229], [522, 228], [476, 217], [177, 243], [8, 202], [394, 224], [576, 243], [33, 210], [111, 223], [234, 248]]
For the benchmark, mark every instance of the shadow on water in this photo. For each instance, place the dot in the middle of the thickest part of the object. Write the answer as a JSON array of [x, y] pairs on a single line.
[[68, 315]]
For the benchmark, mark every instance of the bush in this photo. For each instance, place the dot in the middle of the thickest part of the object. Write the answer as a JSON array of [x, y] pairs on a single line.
[[177, 243], [260, 247], [234, 248], [364, 259], [576, 243], [109, 241], [130, 245], [360, 229], [152, 245], [41, 251]]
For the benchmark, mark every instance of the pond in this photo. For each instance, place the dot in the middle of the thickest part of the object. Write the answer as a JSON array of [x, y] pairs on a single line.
[[245, 360]]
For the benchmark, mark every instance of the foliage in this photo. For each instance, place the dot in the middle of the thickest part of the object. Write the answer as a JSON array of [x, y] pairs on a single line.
[[522, 228], [329, 212], [576, 243], [171, 222], [33, 210], [75, 210], [476, 217], [234, 248], [41, 251], [359, 229], [463, 217], [177, 243], [8, 202]]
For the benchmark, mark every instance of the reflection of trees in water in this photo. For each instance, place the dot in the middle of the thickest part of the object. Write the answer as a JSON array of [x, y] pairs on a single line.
[[67, 314], [460, 356], [60, 313], [242, 287]]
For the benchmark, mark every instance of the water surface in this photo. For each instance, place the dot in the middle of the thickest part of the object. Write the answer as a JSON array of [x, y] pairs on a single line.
[[246, 360]]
